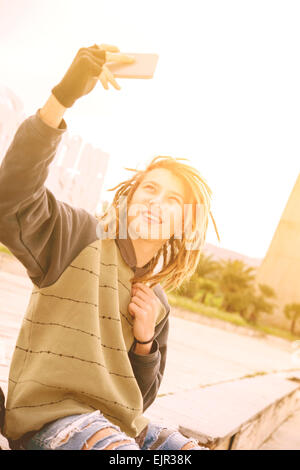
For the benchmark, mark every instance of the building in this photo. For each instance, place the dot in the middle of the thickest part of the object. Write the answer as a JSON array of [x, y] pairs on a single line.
[[281, 266], [77, 172]]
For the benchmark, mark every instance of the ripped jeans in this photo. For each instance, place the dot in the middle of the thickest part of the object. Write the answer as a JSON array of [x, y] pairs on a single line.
[[72, 433]]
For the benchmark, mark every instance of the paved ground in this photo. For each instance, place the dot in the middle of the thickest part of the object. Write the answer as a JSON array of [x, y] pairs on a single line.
[[198, 355]]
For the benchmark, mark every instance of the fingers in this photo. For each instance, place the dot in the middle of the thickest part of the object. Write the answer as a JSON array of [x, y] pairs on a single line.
[[140, 303], [109, 48], [89, 63], [94, 59], [111, 78], [135, 310], [106, 76], [93, 52], [141, 294], [108, 53], [103, 80], [119, 58], [130, 310], [97, 53], [94, 66], [145, 289]]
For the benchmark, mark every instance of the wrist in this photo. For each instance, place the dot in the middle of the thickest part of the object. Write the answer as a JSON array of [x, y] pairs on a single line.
[[52, 112], [143, 349]]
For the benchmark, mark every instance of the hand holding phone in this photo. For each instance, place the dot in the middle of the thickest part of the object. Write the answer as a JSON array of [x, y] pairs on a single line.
[[143, 66], [85, 70], [126, 65]]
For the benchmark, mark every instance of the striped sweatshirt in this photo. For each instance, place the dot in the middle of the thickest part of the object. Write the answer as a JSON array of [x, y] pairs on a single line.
[[77, 312]]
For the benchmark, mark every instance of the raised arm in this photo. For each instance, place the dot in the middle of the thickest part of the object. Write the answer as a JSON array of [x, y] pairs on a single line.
[[43, 233], [52, 112]]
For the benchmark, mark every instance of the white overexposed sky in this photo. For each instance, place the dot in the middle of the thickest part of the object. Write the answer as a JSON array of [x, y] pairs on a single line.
[[225, 94]]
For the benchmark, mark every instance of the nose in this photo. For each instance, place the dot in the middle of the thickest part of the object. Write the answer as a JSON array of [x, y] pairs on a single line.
[[156, 200], [156, 205]]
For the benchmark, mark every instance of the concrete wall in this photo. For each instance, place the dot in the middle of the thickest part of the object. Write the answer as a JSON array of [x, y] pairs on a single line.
[[281, 265]]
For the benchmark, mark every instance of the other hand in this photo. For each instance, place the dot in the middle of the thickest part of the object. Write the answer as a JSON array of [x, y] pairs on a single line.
[[144, 308]]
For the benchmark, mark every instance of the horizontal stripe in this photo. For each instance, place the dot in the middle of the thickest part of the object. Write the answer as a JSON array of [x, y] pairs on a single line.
[[107, 286], [60, 401], [92, 272], [46, 404], [83, 269], [75, 329], [65, 298], [77, 391], [97, 275], [76, 358]]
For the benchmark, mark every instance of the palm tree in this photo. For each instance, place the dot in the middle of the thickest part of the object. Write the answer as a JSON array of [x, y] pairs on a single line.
[[206, 286], [207, 266], [235, 279], [259, 304], [292, 312], [267, 291], [190, 287], [237, 301], [235, 274]]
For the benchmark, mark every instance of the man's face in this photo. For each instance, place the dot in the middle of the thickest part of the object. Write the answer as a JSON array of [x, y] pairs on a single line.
[[156, 208]]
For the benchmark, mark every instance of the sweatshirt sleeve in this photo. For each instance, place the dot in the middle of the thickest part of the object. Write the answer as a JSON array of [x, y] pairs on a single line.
[[43, 233], [149, 368]]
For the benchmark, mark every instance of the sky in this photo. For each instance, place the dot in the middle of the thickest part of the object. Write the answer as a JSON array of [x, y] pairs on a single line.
[[225, 94]]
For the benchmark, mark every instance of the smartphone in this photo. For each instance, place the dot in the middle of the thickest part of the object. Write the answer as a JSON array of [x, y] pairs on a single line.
[[143, 67]]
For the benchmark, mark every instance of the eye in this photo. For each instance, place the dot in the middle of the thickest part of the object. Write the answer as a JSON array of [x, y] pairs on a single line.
[[176, 199], [149, 186]]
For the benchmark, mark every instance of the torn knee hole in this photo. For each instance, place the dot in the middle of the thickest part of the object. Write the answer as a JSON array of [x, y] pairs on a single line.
[[99, 435]]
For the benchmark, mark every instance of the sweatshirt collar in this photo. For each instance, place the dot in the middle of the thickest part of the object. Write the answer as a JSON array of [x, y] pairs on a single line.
[[127, 251]]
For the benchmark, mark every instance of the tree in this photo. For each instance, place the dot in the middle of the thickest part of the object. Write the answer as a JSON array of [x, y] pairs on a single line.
[[235, 279], [190, 287], [267, 291], [237, 301], [259, 304], [292, 312], [206, 286], [207, 266]]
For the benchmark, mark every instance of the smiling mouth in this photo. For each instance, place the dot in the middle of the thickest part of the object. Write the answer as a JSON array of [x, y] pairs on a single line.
[[151, 218]]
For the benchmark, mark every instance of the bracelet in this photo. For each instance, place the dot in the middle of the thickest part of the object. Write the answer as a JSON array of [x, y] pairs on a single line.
[[144, 342]]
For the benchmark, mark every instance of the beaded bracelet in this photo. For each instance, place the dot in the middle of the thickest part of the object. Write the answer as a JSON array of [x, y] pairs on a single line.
[[144, 342]]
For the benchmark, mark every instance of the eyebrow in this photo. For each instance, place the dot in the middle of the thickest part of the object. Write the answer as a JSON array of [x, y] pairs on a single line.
[[158, 185]]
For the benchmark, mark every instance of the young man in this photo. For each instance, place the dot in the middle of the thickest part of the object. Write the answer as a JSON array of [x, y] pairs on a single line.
[[91, 351]]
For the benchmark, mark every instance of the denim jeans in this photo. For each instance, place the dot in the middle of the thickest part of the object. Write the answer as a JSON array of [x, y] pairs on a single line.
[[72, 432]]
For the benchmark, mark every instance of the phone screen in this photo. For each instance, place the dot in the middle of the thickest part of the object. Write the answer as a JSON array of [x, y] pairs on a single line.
[[143, 67]]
